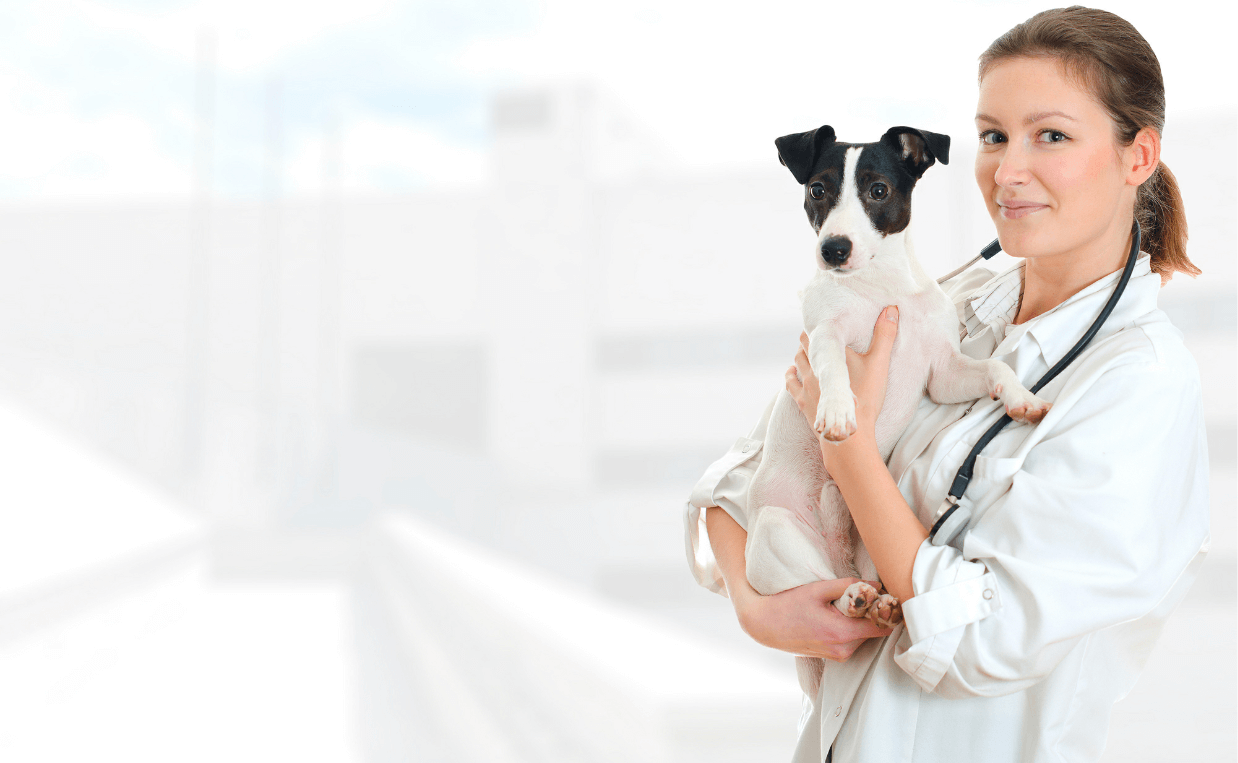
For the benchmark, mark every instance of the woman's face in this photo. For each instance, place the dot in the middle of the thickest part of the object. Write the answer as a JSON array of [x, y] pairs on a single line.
[[1051, 173]]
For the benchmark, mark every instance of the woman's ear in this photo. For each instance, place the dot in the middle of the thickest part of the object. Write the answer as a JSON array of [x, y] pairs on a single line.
[[1143, 156]]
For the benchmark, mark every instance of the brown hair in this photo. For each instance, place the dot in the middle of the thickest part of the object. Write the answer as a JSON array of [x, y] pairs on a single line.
[[1117, 65]]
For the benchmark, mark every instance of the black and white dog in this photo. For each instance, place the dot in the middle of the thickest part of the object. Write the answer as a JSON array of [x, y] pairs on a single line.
[[858, 200]]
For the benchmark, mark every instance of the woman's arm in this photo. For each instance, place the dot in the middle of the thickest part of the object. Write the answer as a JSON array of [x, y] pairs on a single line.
[[889, 528], [1100, 524], [800, 620]]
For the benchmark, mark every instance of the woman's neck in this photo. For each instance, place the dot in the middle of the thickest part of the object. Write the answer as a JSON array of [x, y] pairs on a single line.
[[1049, 281]]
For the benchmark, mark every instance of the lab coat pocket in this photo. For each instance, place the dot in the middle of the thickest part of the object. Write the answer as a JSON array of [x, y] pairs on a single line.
[[991, 477]]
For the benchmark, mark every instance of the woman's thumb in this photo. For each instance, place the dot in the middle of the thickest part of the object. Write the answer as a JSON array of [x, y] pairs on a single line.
[[830, 590], [886, 328]]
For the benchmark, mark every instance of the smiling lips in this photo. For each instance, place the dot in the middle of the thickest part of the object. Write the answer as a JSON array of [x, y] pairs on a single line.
[[1014, 209]]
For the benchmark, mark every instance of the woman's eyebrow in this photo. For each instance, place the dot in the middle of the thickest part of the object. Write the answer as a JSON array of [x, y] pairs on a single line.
[[1030, 119]]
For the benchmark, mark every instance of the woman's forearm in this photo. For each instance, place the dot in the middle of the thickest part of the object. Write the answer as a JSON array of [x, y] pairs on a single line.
[[889, 528], [728, 539]]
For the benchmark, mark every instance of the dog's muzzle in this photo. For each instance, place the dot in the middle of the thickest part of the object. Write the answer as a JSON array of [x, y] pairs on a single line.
[[835, 250]]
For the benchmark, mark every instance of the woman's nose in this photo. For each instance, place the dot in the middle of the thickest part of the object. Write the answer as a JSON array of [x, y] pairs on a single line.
[[1013, 168]]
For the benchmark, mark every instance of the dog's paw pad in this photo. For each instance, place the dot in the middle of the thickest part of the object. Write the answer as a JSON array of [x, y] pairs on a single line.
[[885, 612], [1037, 412], [1031, 411], [1023, 406], [857, 599]]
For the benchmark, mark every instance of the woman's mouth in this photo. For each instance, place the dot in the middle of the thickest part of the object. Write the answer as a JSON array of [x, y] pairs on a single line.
[[1013, 210]]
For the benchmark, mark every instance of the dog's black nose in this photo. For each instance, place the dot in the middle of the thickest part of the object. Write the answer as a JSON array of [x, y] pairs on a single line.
[[835, 250]]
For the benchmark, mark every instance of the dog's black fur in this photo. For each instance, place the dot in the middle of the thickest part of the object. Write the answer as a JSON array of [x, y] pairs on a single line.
[[885, 177]]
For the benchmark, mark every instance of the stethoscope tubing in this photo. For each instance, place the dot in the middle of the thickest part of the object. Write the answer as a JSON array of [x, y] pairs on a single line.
[[964, 474]]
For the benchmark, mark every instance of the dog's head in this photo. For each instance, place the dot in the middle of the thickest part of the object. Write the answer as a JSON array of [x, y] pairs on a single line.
[[858, 196]]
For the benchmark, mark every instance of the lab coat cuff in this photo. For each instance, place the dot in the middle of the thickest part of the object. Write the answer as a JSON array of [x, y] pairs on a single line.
[[725, 485], [950, 593], [700, 555]]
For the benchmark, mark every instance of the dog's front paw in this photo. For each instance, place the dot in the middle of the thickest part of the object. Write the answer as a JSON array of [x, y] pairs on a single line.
[[885, 612], [836, 418], [1021, 405], [857, 599]]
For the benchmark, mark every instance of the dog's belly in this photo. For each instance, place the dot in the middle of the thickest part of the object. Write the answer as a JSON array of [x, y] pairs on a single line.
[[791, 471], [905, 385], [800, 530]]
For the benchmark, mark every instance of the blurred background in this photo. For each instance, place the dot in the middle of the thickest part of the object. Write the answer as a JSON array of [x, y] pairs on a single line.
[[356, 360]]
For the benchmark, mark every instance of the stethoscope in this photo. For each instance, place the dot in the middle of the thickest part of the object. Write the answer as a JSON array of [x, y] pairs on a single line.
[[954, 514]]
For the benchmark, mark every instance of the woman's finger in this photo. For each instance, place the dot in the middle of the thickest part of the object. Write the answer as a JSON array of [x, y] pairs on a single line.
[[802, 365], [829, 590], [838, 652], [794, 385], [804, 339], [884, 333], [859, 627]]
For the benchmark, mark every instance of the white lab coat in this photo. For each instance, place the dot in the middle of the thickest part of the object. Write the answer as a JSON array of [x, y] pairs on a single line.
[[1087, 531]]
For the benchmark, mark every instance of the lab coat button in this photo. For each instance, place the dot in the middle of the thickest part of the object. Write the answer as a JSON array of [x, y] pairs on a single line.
[[745, 450], [988, 593], [838, 711]]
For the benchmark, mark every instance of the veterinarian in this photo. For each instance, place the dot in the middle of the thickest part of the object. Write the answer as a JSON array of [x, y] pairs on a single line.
[[1086, 529]]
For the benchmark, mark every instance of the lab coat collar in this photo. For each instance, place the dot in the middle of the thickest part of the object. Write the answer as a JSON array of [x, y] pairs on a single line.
[[995, 304]]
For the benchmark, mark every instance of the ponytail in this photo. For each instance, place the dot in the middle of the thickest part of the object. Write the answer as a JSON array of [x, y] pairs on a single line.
[[1158, 207]]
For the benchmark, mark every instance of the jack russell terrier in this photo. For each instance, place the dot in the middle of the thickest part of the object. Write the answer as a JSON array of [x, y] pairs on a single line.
[[858, 200]]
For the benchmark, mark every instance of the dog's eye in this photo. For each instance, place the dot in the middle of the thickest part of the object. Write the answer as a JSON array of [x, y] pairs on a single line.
[[878, 191], [817, 190]]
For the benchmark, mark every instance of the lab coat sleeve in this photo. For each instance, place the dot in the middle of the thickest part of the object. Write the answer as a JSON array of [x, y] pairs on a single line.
[[1100, 521], [724, 484]]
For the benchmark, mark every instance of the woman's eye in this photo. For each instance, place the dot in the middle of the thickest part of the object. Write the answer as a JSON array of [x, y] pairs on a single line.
[[1051, 136], [878, 191], [817, 190], [992, 137]]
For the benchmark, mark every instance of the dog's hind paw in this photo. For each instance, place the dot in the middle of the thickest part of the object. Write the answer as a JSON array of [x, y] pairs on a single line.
[[885, 612], [836, 418], [857, 599]]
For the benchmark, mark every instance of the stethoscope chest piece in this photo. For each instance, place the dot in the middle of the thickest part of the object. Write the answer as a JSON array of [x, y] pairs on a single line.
[[950, 520]]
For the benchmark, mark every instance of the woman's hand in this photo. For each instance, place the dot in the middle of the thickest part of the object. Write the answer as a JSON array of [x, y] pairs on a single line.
[[867, 372], [800, 620], [803, 621]]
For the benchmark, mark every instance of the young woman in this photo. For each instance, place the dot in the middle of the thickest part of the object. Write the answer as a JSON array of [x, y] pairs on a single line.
[[1088, 528]]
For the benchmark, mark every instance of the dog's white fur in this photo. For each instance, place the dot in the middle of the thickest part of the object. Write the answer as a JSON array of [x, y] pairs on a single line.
[[800, 530]]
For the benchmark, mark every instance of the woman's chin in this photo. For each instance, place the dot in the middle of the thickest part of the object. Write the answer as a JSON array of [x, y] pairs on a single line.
[[1019, 240], [1017, 248]]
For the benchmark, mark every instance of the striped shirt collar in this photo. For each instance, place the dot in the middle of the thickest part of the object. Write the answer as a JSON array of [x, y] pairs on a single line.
[[996, 304]]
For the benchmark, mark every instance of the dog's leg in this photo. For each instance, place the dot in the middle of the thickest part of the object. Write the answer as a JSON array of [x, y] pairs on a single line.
[[783, 551], [809, 670], [864, 566], [841, 544], [836, 408], [881, 608], [956, 378]]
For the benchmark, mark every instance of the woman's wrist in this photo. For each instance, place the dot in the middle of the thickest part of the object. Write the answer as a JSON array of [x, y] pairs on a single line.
[[845, 455]]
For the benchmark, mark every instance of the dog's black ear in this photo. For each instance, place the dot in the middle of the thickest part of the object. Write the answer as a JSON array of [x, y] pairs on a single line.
[[798, 152], [919, 148]]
